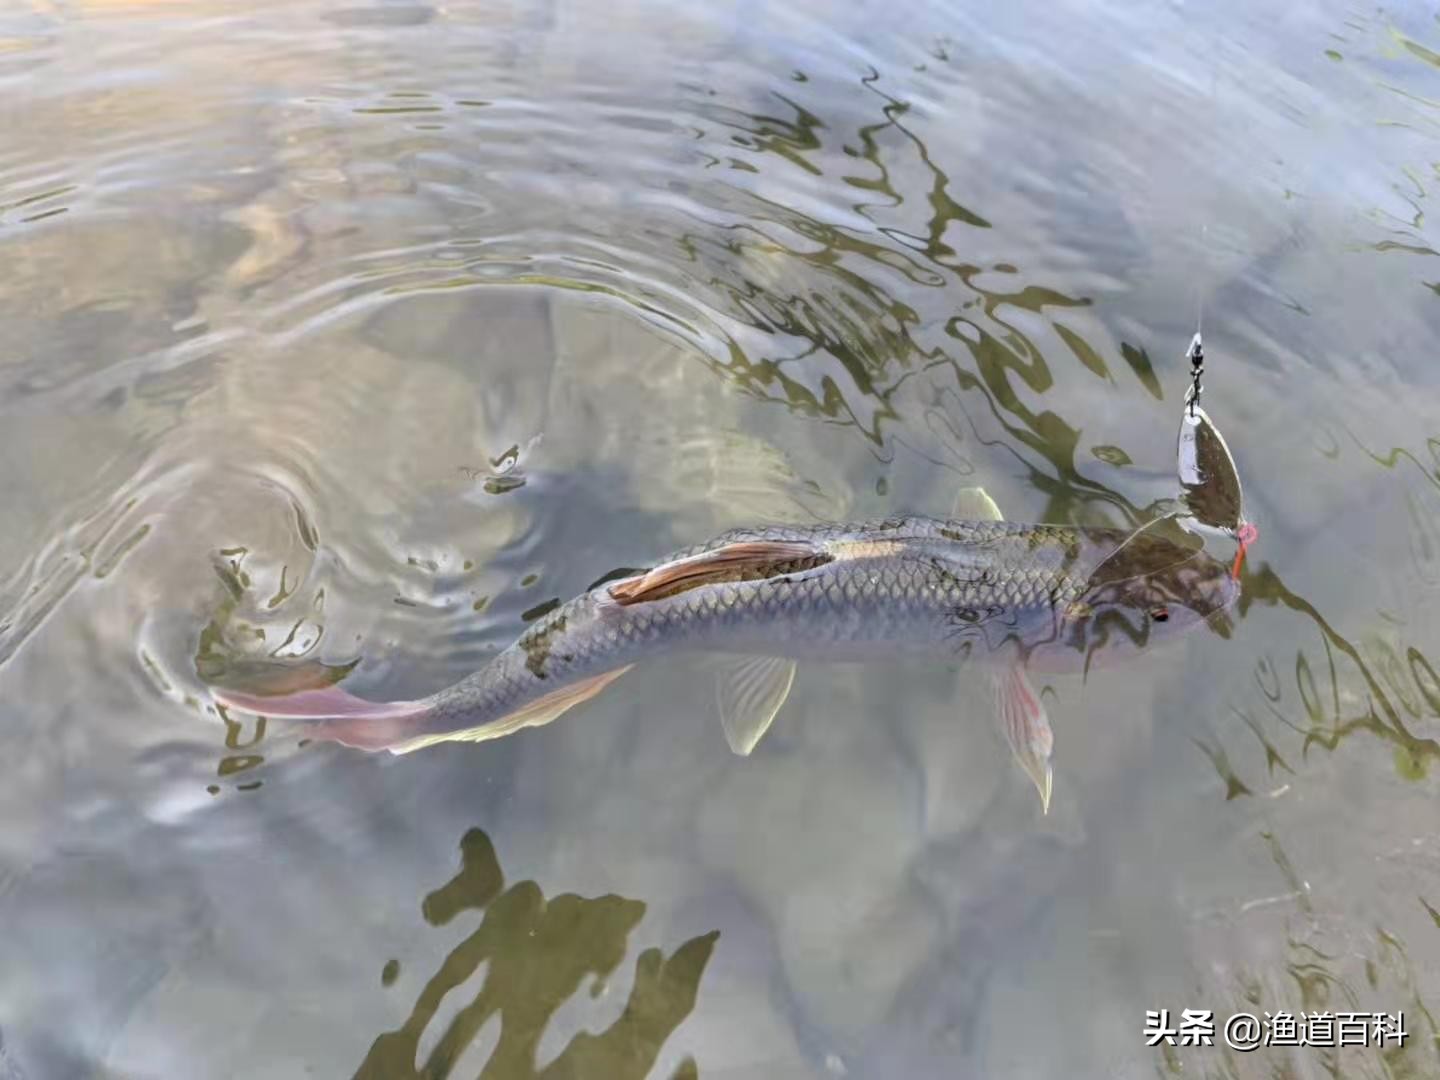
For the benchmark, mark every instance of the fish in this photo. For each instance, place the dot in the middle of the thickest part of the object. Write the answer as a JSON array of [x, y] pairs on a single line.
[[1019, 598]]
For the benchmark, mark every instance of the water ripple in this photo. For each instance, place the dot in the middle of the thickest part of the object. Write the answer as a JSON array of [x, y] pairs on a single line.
[[356, 336]]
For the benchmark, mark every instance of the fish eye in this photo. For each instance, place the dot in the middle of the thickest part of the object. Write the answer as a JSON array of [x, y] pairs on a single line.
[[1159, 614]]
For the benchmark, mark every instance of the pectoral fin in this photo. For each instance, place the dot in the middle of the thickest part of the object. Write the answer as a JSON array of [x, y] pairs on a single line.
[[1027, 728], [975, 504], [750, 692]]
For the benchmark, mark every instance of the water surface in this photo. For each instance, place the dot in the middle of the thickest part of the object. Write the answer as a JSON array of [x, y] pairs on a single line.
[[361, 333]]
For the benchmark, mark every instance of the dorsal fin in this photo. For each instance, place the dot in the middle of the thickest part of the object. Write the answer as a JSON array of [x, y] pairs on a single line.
[[975, 504], [744, 560]]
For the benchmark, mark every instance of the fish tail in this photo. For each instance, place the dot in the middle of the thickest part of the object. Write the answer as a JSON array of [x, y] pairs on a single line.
[[338, 715], [402, 726]]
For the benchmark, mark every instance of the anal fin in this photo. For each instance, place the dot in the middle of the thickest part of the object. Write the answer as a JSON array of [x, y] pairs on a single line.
[[750, 691], [540, 711]]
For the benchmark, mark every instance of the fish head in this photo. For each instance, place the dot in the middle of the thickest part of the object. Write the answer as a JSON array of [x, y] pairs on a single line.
[[1156, 584]]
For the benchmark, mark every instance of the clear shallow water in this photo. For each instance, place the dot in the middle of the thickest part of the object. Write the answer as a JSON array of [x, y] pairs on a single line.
[[359, 333]]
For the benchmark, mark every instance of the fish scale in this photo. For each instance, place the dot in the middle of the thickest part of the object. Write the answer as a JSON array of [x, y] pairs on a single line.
[[905, 603]]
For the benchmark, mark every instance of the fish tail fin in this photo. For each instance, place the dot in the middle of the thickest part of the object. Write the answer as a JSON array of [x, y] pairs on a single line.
[[338, 715], [402, 726]]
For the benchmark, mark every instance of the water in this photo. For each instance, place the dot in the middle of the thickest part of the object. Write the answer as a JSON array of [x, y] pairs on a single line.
[[360, 333]]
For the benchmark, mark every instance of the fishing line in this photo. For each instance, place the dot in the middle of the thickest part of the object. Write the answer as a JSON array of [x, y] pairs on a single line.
[[1196, 352], [1199, 289], [1205, 466]]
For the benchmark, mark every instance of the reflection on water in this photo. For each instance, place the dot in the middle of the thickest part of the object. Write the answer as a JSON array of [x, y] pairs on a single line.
[[1320, 965], [1386, 687], [537, 954], [1333, 710], [355, 336]]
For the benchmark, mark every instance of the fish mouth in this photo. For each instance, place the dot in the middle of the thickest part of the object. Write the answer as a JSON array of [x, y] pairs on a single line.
[[1218, 618]]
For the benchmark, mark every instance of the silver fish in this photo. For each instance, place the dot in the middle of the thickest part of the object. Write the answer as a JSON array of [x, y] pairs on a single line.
[[1021, 597]]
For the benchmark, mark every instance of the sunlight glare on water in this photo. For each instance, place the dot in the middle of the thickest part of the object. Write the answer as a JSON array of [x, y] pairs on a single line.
[[363, 332]]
